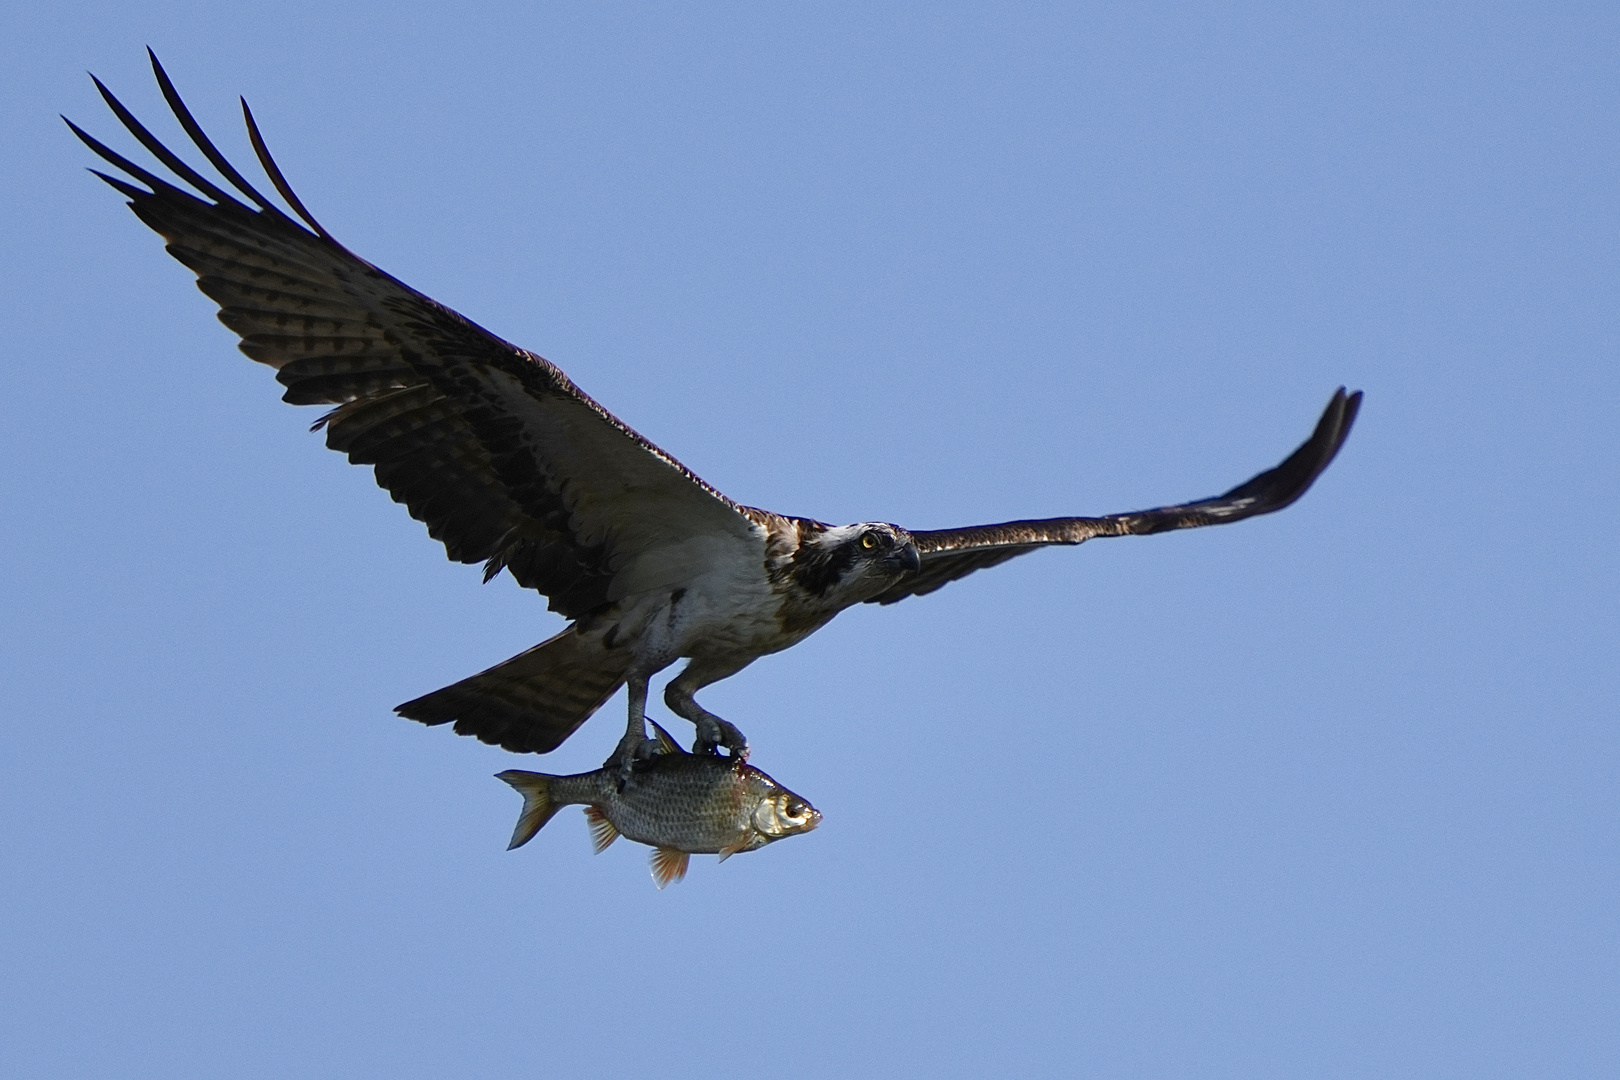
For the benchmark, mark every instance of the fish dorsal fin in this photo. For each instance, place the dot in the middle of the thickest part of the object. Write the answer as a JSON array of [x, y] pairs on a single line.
[[603, 831], [666, 741], [668, 865]]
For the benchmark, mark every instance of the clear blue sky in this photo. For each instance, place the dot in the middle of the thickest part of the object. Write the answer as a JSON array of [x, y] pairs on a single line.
[[1330, 793]]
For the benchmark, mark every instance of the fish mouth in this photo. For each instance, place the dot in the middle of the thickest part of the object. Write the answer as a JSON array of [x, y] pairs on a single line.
[[773, 819]]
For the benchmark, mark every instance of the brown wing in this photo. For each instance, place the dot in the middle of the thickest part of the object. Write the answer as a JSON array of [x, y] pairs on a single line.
[[948, 554], [505, 460]]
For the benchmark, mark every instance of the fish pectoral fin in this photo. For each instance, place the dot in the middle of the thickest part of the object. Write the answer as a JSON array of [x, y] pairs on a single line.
[[603, 831], [668, 865], [666, 741], [731, 849]]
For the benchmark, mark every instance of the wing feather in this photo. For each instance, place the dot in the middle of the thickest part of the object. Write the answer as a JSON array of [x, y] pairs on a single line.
[[493, 448], [949, 554]]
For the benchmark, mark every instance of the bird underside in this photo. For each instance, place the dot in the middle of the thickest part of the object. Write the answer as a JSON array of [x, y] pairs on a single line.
[[534, 701]]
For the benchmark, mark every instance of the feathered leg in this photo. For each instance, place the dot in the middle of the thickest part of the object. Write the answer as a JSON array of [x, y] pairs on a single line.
[[635, 746]]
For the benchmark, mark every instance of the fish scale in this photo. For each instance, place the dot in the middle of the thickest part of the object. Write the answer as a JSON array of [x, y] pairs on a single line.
[[681, 804]]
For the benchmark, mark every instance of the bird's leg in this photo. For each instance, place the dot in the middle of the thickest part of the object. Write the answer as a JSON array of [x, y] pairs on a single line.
[[712, 731], [635, 746]]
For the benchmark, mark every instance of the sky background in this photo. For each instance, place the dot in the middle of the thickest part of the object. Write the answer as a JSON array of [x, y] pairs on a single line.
[[1330, 793]]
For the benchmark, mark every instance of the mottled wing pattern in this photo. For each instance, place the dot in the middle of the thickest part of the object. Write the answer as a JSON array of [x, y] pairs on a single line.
[[493, 448], [948, 554]]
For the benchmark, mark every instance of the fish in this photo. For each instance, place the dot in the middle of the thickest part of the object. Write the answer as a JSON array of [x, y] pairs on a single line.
[[679, 803]]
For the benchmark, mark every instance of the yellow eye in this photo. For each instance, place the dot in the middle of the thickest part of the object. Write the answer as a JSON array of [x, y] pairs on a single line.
[[868, 541]]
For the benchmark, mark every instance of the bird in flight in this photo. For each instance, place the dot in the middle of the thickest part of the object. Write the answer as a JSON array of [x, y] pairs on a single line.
[[509, 464]]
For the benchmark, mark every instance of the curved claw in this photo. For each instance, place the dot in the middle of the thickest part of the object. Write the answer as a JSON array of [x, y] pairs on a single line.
[[713, 733], [631, 750]]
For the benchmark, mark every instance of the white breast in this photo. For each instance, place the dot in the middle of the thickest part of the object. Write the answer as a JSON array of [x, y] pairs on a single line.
[[705, 596]]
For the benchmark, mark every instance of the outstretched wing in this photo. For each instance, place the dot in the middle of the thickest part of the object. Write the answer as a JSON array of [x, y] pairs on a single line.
[[504, 459], [948, 554]]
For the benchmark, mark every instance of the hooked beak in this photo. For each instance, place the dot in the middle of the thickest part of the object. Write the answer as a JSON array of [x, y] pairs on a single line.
[[905, 559]]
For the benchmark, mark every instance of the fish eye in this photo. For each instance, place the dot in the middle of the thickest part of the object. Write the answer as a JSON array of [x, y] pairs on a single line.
[[868, 541]]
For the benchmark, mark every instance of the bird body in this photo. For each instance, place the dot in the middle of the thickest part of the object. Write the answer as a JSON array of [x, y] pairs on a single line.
[[509, 464]]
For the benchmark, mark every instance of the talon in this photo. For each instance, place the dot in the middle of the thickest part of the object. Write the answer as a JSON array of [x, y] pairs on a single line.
[[735, 742], [713, 733], [645, 750], [708, 736], [633, 748]]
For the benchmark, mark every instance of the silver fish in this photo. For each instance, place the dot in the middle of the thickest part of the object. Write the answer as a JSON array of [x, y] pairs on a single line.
[[679, 803]]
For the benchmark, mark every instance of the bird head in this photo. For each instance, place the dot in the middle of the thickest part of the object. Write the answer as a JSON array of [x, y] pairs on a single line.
[[847, 564]]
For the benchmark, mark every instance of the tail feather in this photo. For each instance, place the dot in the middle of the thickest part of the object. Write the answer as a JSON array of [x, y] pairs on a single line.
[[532, 702], [538, 806]]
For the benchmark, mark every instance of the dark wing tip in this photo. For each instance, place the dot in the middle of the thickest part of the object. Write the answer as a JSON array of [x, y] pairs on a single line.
[[126, 189], [156, 148], [273, 171], [185, 172], [1270, 491], [1277, 488], [962, 551], [118, 161], [200, 139]]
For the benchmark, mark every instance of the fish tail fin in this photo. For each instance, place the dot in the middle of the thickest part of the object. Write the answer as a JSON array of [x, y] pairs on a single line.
[[538, 805]]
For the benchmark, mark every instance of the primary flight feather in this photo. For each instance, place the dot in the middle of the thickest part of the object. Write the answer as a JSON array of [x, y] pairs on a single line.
[[509, 464]]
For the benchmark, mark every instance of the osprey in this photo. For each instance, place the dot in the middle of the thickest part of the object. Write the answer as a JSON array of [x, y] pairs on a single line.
[[509, 464]]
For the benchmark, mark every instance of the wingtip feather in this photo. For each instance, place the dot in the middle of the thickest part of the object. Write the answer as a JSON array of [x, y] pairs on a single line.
[[200, 139], [155, 146], [118, 185], [273, 171], [119, 161]]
